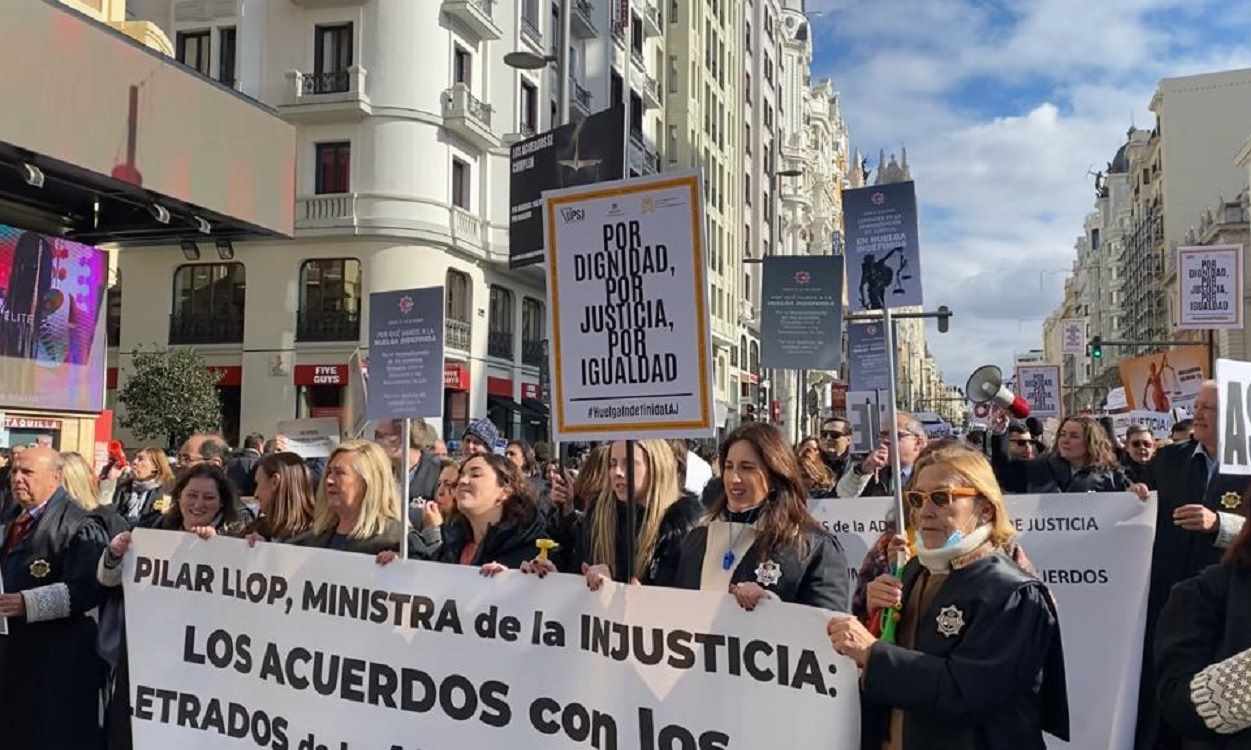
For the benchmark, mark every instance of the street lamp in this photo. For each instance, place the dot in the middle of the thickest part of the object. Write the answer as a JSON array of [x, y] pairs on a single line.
[[530, 61]]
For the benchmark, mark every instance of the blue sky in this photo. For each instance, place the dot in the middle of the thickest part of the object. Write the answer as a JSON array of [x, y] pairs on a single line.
[[1003, 107]]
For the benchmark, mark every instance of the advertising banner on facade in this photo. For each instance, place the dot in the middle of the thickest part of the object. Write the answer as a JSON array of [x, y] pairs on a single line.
[[283, 646], [1209, 287], [1094, 552], [1164, 380], [631, 353], [405, 354], [1073, 336], [1039, 385], [801, 316], [52, 310], [867, 367], [883, 251], [579, 153]]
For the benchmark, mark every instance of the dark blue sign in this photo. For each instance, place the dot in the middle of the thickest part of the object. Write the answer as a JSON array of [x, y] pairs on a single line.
[[883, 253], [866, 358], [405, 354], [801, 315]]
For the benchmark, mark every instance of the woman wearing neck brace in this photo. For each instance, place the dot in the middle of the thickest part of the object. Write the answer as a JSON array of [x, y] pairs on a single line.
[[978, 662]]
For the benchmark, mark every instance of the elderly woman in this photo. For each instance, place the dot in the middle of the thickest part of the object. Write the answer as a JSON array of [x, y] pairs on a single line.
[[759, 541], [358, 506], [978, 662]]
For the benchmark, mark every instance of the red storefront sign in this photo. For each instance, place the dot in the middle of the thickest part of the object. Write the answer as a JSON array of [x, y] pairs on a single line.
[[502, 387], [455, 376], [531, 391], [228, 376], [321, 375]]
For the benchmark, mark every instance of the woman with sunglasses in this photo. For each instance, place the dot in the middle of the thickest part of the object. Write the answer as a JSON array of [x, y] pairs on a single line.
[[976, 661], [1140, 448]]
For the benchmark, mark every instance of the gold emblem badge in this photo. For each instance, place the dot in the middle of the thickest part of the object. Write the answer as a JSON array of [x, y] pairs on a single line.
[[161, 505], [1231, 501], [40, 569]]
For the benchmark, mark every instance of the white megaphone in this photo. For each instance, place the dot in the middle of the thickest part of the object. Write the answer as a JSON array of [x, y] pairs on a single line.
[[986, 385]]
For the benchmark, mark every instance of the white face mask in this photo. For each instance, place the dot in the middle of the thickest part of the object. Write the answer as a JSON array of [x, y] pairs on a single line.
[[957, 545]]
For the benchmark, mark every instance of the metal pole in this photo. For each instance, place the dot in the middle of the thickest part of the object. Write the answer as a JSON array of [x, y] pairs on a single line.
[[407, 469], [893, 427], [625, 93], [562, 61], [632, 541]]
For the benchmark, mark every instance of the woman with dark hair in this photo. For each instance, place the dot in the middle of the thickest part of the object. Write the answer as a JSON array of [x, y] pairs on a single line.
[[1083, 461], [496, 522], [759, 541], [1203, 654], [205, 503], [284, 490]]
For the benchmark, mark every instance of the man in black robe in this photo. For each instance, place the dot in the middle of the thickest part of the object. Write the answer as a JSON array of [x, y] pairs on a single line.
[[1196, 517], [50, 673]]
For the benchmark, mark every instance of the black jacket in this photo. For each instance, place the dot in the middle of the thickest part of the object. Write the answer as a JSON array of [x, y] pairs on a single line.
[[1207, 619], [241, 471], [817, 578], [997, 683], [681, 517], [388, 539], [1051, 473], [1138, 473], [509, 544], [149, 513]]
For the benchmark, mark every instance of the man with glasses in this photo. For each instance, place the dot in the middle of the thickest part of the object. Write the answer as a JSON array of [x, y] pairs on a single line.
[[1136, 458], [873, 476], [836, 445], [1020, 444]]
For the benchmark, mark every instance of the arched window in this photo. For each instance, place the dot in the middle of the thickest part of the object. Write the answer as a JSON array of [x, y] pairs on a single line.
[[459, 324], [330, 300], [208, 304]]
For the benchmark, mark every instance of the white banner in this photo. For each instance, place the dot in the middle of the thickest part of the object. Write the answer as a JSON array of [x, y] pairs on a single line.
[[1160, 424], [627, 301], [1209, 287], [311, 438], [287, 647], [1073, 336], [1094, 552], [1040, 386], [1233, 378]]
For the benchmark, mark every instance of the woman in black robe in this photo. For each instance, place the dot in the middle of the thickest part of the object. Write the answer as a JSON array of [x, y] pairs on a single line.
[[977, 661], [760, 542], [1083, 461]]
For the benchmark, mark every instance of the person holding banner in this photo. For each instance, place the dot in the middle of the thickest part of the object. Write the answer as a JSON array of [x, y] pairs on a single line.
[[759, 541], [977, 661], [1083, 461], [1203, 652], [358, 507], [284, 490]]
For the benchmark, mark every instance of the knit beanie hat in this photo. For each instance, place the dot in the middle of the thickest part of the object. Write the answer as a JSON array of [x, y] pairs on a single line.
[[483, 429]]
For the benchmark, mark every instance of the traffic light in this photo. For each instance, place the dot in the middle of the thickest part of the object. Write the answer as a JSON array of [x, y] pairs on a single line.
[[944, 318], [1096, 347]]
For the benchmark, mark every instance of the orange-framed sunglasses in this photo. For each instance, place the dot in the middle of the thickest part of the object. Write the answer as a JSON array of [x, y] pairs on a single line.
[[941, 498]]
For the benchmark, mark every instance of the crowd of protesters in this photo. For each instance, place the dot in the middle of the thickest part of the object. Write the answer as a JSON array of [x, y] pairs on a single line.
[[738, 521]]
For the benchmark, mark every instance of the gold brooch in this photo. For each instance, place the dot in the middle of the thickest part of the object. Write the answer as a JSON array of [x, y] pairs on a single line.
[[1231, 501], [161, 505], [40, 569]]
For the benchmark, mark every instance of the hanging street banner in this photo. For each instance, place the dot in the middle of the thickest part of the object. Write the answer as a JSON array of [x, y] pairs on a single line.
[[627, 305], [292, 647], [867, 367], [575, 154], [1073, 336], [883, 251], [1164, 380], [801, 316], [1040, 386], [867, 411], [1209, 287], [1094, 552], [405, 354], [1233, 378]]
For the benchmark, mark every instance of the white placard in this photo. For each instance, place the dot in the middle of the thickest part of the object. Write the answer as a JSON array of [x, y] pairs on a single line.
[[1233, 378], [1073, 336], [311, 438], [331, 648], [1209, 287], [1116, 399], [1039, 385], [631, 353], [1160, 424], [1094, 552]]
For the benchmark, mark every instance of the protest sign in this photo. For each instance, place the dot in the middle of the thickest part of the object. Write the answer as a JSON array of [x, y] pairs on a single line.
[[1094, 552], [867, 367], [578, 153], [1233, 379], [1115, 400], [801, 316], [1039, 385], [1209, 287], [1159, 424], [883, 252], [311, 438], [1161, 381], [631, 353], [405, 354], [283, 646], [867, 411], [1073, 336]]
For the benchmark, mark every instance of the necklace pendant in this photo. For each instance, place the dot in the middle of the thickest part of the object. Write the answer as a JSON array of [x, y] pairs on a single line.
[[727, 561]]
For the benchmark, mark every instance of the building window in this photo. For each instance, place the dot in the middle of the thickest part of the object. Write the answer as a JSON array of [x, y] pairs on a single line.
[[636, 34], [194, 48], [332, 57], [330, 300], [500, 324], [462, 66], [747, 188], [334, 167], [529, 107], [616, 87], [533, 324], [226, 60], [748, 39], [768, 68], [460, 184], [113, 322], [208, 304], [636, 116], [459, 310]]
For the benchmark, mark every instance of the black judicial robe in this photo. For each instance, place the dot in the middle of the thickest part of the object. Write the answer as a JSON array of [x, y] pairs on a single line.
[[997, 683], [50, 673]]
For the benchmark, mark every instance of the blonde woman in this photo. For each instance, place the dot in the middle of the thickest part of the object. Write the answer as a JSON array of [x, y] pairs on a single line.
[[662, 517], [358, 507], [80, 481], [142, 493]]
